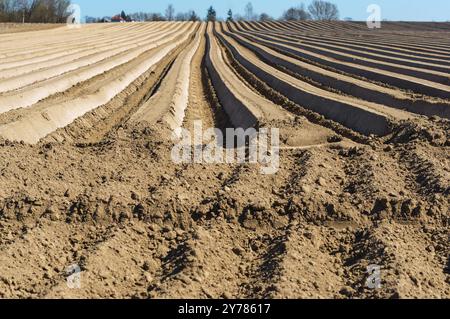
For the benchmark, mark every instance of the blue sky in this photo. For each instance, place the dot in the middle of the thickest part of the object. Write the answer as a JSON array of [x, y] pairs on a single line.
[[406, 10]]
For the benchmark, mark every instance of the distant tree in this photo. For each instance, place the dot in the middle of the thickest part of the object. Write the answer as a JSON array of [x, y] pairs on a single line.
[[61, 8], [181, 17], [123, 15], [238, 17], [139, 16], [143, 16], [170, 12], [296, 14], [249, 14], [43, 11], [193, 16], [323, 10], [187, 16], [22, 6], [157, 17], [89, 19], [230, 16], [211, 14], [265, 17]]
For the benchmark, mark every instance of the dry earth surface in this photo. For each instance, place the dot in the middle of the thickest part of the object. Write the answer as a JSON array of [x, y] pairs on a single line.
[[86, 175], [24, 27]]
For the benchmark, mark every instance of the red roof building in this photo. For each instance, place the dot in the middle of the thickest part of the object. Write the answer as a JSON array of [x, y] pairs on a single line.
[[117, 18]]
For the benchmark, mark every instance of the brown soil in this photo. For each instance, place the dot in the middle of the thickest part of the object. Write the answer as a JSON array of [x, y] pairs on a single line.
[[19, 27], [104, 193]]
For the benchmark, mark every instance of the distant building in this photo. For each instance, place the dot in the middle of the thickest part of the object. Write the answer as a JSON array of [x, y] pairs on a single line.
[[117, 18], [91, 19]]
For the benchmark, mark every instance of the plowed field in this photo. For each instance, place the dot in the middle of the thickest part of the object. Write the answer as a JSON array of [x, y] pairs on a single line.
[[87, 178]]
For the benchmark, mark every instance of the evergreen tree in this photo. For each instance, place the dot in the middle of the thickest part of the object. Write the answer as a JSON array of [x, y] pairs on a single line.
[[211, 16], [230, 16]]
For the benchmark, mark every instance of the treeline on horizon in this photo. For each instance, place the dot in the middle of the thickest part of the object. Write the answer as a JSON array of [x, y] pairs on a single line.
[[317, 10], [34, 11], [57, 11]]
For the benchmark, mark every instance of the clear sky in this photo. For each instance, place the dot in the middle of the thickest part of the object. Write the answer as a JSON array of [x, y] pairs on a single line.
[[406, 10]]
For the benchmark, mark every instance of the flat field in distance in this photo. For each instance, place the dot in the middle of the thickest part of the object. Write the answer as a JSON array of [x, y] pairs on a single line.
[[87, 178]]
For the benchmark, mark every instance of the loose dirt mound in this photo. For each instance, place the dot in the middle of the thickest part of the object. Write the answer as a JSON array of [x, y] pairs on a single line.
[[98, 189]]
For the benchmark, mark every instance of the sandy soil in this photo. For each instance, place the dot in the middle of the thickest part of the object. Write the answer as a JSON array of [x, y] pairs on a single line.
[[19, 27], [102, 192]]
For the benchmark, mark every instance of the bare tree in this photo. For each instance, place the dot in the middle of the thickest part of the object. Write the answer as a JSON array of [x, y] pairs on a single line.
[[42, 11], [193, 16], [156, 17], [181, 17], [265, 17], [22, 5], [296, 14], [6, 11], [137, 16], [323, 10], [249, 14], [170, 12], [147, 16], [61, 9], [238, 17], [33, 5]]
